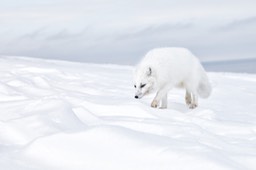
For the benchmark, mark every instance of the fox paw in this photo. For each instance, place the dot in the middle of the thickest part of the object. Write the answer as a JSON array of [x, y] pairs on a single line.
[[192, 106], [154, 104], [188, 100]]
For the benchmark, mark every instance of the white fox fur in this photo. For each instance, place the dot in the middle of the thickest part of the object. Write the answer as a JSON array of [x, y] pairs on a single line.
[[165, 68]]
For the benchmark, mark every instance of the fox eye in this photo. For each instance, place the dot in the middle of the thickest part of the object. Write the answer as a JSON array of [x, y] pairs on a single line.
[[134, 86], [143, 85]]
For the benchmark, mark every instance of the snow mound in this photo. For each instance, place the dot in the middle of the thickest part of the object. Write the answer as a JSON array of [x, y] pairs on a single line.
[[63, 115]]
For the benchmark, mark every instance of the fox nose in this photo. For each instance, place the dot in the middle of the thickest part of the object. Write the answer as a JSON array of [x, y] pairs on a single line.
[[136, 97]]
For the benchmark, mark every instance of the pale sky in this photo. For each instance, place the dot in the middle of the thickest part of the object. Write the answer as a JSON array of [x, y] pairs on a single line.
[[121, 32]]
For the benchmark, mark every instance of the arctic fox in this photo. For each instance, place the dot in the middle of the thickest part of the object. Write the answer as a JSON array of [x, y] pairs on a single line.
[[164, 68]]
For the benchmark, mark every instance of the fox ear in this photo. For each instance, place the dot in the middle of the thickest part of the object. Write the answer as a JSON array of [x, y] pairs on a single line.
[[149, 71]]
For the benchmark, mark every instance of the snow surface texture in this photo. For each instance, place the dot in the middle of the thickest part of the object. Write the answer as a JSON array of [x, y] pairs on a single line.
[[61, 115]]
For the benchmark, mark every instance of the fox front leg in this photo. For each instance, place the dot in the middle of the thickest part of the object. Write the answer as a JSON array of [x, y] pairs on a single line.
[[154, 103], [164, 102], [160, 95]]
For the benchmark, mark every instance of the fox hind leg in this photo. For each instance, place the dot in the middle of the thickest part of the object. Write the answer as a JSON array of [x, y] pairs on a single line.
[[188, 98], [191, 100], [194, 103]]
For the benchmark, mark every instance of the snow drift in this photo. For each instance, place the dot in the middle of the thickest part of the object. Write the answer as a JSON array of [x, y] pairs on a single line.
[[63, 115]]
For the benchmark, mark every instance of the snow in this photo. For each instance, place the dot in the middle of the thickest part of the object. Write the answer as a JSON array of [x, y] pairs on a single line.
[[63, 115]]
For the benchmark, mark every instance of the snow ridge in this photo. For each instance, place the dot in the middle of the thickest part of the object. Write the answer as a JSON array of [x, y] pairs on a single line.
[[63, 115]]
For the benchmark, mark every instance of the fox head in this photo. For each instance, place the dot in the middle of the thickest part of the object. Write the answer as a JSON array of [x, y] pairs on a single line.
[[144, 82]]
